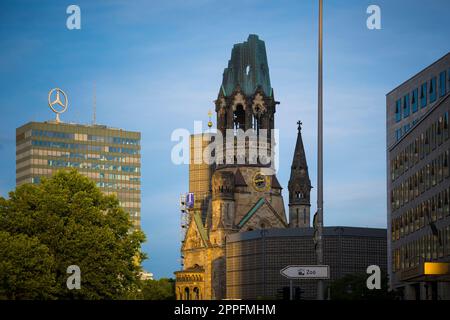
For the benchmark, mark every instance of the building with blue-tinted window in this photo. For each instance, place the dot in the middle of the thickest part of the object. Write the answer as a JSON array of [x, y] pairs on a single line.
[[423, 95], [408, 103], [406, 106], [108, 156], [418, 184], [414, 101]]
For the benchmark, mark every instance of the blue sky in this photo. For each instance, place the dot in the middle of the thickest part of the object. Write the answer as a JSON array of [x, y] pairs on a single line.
[[158, 66]]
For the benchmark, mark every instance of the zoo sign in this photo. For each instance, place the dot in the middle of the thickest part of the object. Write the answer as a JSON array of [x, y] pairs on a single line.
[[306, 272]]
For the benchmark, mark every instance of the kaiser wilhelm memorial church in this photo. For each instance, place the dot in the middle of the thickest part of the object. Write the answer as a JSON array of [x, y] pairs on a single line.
[[238, 234]]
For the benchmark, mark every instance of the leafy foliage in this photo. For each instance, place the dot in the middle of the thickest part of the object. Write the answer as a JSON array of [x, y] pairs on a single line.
[[162, 289], [26, 268], [66, 220]]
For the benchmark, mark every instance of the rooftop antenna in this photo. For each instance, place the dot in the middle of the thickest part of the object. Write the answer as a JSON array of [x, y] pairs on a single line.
[[94, 106]]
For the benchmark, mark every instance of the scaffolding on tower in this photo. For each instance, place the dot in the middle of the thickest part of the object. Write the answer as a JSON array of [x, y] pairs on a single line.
[[186, 203]]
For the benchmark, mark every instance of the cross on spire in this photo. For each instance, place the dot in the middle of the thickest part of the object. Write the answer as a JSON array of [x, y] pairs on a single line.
[[299, 125]]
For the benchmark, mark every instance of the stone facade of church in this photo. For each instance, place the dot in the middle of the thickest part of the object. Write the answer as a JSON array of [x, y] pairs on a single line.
[[240, 196]]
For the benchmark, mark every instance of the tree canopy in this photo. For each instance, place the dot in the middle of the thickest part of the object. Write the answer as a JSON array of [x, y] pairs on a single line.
[[162, 289], [66, 220]]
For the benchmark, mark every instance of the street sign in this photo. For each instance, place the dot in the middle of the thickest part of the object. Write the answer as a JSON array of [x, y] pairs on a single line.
[[306, 272]]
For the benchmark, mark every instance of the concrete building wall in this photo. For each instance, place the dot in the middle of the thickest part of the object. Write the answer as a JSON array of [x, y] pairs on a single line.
[[254, 259]]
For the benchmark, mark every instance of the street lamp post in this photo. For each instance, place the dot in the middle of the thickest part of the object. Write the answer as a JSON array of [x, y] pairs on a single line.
[[319, 251]]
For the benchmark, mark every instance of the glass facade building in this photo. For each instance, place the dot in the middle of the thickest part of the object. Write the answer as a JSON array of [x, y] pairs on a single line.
[[109, 156], [418, 182]]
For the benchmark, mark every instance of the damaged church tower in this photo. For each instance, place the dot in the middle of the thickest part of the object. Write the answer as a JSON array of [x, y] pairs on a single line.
[[242, 196]]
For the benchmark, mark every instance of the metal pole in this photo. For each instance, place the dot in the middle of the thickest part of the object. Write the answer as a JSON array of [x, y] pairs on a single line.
[[320, 283], [263, 233], [291, 293]]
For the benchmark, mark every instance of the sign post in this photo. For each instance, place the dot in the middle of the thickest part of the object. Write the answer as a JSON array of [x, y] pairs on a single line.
[[318, 272], [291, 289]]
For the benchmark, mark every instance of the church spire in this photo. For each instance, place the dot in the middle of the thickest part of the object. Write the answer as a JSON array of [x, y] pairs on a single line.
[[299, 186]]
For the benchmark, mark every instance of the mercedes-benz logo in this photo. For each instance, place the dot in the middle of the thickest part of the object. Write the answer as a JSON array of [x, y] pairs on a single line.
[[57, 103]]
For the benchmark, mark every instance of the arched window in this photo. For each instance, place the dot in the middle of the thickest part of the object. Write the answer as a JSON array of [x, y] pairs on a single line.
[[257, 118], [186, 294], [239, 117], [196, 293]]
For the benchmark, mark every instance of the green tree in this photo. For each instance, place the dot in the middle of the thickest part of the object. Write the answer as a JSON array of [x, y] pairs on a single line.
[[162, 289], [78, 225], [26, 268], [354, 287]]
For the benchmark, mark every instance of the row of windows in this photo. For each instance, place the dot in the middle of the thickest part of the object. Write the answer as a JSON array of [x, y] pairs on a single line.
[[130, 204], [123, 150], [434, 136], [122, 186], [428, 93], [45, 153], [418, 217], [116, 140], [113, 176], [52, 134], [88, 147], [103, 157], [427, 248], [117, 186], [71, 136], [93, 166], [424, 179], [400, 132]]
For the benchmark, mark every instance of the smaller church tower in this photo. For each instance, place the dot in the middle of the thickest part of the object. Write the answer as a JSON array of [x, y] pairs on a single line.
[[299, 187]]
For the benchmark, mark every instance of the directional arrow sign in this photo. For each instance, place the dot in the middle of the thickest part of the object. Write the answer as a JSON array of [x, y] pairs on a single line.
[[306, 272]]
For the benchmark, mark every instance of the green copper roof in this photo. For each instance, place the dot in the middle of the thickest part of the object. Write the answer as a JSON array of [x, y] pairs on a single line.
[[201, 228], [252, 211], [248, 68]]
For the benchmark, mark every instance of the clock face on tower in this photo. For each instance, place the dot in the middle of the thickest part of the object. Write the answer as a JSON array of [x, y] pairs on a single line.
[[261, 182]]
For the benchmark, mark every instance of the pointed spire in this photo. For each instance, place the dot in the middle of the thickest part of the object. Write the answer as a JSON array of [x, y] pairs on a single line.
[[299, 160], [299, 183]]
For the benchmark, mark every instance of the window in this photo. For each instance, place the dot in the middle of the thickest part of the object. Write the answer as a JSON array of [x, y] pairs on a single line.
[[239, 117], [414, 102], [406, 127], [433, 90], [398, 134], [423, 95], [442, 83], [406, 106], [398, 113]]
